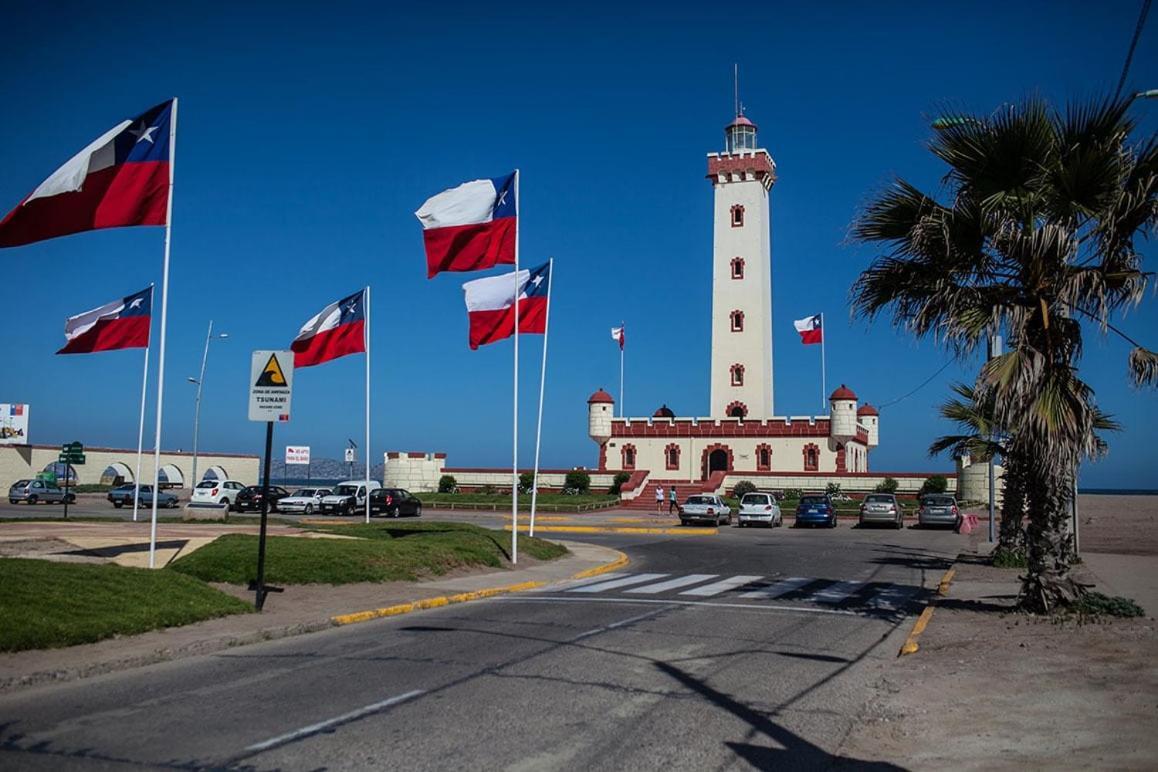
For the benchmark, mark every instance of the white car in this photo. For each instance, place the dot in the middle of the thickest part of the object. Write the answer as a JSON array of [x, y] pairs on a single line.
[[705, 507], [348, 497], [760, 508], [222, 492], [304, 500]]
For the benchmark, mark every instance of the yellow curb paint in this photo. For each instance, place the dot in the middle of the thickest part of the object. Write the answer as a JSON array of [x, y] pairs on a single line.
[[617, 529], [911, 646], [619, 562], [427, 603]]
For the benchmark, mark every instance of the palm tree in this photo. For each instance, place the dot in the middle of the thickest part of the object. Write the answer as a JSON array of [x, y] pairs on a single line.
[[1038, 233]]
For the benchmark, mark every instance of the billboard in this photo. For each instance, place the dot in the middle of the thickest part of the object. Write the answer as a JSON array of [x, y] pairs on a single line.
[[297, 454], [13, 424]]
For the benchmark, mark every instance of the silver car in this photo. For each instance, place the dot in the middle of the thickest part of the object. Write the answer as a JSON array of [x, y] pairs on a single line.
[[37, 492], [881, 508], [304, 500], [759, 508], [938, 509], [705, 507]]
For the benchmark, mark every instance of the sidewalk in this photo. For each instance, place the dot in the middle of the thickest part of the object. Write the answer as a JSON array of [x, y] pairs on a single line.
[[300, 609]]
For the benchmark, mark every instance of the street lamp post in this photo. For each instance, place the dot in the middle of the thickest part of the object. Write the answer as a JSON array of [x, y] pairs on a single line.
[[200, 381]]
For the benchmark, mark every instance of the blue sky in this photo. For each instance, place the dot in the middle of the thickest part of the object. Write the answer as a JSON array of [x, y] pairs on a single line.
[[308, 137]]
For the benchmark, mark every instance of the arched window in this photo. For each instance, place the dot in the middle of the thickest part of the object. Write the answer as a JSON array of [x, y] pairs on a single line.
[[737, 410], [737, 268], [737, 375], [737, 215], [811, 458], [627, 454], [671, 456], [737, 321], [763, 458]]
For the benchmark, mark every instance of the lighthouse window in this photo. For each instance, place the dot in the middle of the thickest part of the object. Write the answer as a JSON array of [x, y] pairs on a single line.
[[737, 216], [737, 268], [737, 375], [737, 321]]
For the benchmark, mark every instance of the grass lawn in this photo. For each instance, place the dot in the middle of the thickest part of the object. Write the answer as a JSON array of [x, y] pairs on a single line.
[[381, 553], [547, 502], [48, 605]]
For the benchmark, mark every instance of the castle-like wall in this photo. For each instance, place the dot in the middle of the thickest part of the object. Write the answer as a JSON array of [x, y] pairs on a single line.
[[419, 472], [973, 480], [18, 462], [907, 482]]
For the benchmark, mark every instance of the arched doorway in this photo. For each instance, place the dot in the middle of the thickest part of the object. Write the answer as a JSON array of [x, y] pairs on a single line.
[[715, 458], [215, 473], [116, 474], [171, 477]]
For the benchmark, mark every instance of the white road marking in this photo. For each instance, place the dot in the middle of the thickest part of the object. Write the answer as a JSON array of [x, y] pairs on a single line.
[[675, 602], [715, 588], [572, 583], [321, 726], [617, 583], [836, 592], [777, 589], [614, 625], [671, 584]]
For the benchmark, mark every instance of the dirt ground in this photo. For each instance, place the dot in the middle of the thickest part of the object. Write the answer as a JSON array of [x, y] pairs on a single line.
[[991, 688]]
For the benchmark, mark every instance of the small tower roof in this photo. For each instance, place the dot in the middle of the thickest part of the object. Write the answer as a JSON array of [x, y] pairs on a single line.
[[867, 409], [843, 392], [741, 121], [600, 396], [663, 411]]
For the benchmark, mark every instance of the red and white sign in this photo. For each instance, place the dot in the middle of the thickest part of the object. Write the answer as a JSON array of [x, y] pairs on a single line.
[[297, 454]]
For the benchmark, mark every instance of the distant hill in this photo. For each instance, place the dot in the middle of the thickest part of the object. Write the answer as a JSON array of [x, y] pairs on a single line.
[[321, 469]]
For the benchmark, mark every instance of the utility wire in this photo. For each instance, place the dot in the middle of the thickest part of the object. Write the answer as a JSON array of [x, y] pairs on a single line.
[[1133, 44], [924, 383]]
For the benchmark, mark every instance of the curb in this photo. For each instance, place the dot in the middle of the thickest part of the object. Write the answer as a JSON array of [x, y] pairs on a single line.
[[911, 646], [466, 597], [679, 530]]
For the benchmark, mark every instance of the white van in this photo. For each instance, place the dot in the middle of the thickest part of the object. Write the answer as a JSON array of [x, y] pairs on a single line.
[[348, 497]]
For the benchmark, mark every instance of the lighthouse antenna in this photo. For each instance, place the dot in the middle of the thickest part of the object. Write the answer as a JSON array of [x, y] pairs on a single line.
[[736, 86]]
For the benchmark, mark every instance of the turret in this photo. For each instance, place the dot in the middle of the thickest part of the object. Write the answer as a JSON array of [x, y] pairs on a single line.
[[870, 419], [600, 409], [842, 424]]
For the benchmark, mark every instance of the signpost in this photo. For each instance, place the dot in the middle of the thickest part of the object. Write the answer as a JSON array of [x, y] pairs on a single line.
[[351, 457], [70, 453], [271, 378], [298, 455]]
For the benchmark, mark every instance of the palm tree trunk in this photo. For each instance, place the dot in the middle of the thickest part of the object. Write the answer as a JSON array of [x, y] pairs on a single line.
[[1047, 583], [1011, 534]]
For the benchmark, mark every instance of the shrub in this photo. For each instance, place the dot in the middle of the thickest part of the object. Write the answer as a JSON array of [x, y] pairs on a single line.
[[793, 493], [887, 485], [526, 482], [1007, 558], [487, 490], [578, 480], [447, 484], [833, 489], [617, 483], [742, 487], [935, 484], [1097, 604]]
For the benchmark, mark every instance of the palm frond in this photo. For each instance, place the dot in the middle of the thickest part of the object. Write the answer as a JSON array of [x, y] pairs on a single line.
[[1143, 367]]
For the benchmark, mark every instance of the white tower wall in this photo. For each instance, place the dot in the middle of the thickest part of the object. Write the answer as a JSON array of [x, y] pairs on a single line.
[[843, 420], [742, 179], [872, 424], [599, 416]]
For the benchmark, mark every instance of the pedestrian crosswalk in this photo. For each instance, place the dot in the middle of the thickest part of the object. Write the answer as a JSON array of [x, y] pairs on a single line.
[[870, 595]]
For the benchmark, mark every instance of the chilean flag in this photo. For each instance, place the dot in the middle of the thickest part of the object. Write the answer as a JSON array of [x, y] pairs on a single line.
[[490, 304], [120, 179], [335, 331], [120, 324], [471, 227], [810, 329]]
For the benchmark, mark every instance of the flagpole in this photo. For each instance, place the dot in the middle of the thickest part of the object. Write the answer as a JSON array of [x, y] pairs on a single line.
[[823, 389], [141, 425], [366, 333], [622, 337], [515, 444], [161, 348], [542, 388]]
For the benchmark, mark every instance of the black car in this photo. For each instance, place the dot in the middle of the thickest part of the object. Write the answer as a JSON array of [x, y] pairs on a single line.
[[394, 502], [250, 498]]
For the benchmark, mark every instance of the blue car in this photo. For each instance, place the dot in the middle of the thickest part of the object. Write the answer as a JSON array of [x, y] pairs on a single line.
[[815, 509]]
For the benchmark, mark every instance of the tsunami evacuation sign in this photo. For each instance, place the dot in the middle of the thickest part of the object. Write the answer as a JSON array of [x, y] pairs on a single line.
[[271, 378]]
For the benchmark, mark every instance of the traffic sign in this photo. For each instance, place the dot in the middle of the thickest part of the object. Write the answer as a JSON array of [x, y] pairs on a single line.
[[71, 458], [350, 456], [271, 378], [297, 454]]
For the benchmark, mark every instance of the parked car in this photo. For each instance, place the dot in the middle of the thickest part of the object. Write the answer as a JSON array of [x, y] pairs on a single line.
[[394, 502], [217, 492], [759, 507], [815, 509], [122, 495], [705, 507], [250, 496], [882, 508], [304, 500], [938, 509], [348, 497], [37, 492]]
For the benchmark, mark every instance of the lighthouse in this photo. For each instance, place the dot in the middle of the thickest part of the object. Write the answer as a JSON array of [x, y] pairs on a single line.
[[742, 177]]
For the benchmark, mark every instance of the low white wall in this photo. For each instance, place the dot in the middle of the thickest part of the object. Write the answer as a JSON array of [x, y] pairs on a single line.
[[849, 483], [23, 461]]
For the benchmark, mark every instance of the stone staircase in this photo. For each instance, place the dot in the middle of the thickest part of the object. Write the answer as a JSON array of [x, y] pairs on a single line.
[[645, 501]]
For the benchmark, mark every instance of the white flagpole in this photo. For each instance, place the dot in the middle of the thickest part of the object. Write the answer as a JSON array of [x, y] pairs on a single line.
[[515, 451], [161, 348], [823, 389], [542, 388], [141, 425], [367, 335], [622, 337]]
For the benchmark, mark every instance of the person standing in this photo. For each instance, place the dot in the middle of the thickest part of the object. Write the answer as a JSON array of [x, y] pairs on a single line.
[[673, 503], [659, 499]]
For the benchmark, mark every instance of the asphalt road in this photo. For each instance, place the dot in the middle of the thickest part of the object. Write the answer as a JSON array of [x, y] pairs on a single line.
[[753, 648]]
